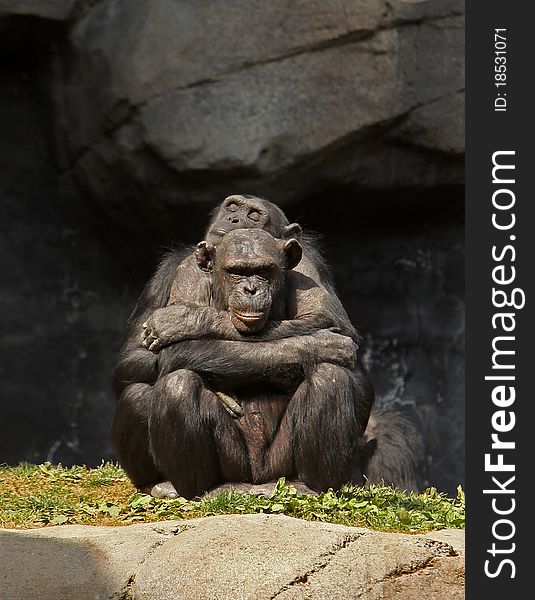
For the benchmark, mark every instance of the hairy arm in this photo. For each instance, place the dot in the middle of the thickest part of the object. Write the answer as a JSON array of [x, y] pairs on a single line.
[[245, 362], [136, 364], [309, 306]]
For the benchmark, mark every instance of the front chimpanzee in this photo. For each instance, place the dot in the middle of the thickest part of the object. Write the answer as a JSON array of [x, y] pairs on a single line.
[[305, 403]]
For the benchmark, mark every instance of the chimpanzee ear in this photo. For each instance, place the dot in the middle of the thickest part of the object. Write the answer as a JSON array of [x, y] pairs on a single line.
[[291, 230], [204, 253], [292, 253], [370, 447], [367, 447]]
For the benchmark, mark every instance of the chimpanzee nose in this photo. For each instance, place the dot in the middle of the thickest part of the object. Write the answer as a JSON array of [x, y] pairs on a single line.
[[249, 289], [234, 219]]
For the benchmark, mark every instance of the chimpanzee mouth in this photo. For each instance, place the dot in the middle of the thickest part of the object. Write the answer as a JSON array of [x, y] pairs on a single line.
[[247, 318], [249, 322]]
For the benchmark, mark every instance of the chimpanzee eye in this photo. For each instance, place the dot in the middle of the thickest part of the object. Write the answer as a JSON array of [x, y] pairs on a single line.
[[264, 273], [254, 215], [232, 207]]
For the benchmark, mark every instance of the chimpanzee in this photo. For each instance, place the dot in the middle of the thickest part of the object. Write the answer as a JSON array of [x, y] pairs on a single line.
[[180, 283], [304, 397], [310, 290]]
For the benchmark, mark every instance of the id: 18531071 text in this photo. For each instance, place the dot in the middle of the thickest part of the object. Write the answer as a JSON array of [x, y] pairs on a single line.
[[500, 69]]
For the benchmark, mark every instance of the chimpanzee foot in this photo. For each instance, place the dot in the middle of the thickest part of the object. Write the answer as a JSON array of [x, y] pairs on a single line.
[[258, 489], [230, 405], [164, 489]]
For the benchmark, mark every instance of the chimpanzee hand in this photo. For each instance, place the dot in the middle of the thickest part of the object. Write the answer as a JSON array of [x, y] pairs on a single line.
[[332, 347], [165, 326], [230, 405], [178, 322]]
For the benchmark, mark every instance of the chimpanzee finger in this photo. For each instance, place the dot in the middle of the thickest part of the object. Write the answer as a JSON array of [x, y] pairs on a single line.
[[146, 333], [150, 339], [230, 405], [231, 412]]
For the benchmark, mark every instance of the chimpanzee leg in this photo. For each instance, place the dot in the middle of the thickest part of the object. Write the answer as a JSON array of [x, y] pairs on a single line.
[[194, 440], [322, 427], [130, 435]]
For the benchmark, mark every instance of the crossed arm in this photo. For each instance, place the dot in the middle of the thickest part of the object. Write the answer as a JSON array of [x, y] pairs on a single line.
[[311, 308], [242, 362], [283, 347]]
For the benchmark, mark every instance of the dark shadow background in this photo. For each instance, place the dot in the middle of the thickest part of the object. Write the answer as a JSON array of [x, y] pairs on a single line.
[[82, 228]]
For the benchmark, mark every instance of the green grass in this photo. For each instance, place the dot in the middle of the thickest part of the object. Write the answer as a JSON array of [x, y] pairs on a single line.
[[41, 495]]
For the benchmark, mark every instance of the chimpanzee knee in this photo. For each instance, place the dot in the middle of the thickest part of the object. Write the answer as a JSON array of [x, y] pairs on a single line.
[[130, 435], [327, 421], [175, 412], [180, 433], [181, 386]]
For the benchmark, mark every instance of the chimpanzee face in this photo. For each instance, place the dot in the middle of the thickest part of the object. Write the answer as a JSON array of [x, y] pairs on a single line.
[[238, 212], [250, 212], [248, 274]]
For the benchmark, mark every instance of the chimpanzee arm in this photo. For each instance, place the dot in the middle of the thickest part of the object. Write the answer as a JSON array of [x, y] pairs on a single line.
[[310, 307], [158, 290], [136, 364], [242, 362]]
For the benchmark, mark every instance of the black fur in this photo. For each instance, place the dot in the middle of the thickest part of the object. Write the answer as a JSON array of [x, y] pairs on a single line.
[[397, 449]]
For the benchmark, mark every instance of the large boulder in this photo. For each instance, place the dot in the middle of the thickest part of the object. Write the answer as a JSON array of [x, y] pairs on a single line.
[[175, 97], [231, 557]]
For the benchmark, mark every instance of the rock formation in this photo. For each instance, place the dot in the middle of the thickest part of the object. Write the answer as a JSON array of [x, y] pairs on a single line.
[[231, 557]]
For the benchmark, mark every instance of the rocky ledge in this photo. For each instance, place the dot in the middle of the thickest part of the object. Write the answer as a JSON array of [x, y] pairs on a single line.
[[230, 557]]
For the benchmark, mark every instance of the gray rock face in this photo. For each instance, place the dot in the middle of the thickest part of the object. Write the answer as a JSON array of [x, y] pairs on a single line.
[[230, 557], [47, 9], [259, 93]]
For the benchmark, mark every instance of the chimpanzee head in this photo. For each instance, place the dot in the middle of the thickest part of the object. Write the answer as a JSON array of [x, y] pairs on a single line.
[[249, 274], [249, 212]]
